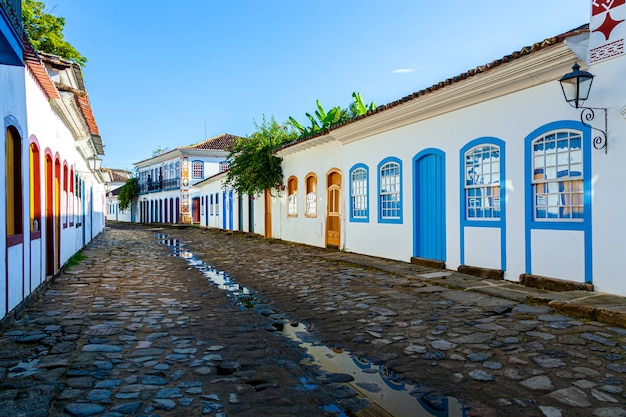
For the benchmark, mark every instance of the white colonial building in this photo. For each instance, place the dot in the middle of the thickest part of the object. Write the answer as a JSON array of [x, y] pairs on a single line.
[[491, 171], [54, 191], [167, 181]]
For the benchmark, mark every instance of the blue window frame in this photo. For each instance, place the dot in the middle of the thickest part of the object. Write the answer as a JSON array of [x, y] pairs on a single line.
[[390, 190], [482, 181], [359, 193]]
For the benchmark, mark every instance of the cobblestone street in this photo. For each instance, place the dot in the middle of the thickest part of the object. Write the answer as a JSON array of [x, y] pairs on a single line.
[[133, 330]]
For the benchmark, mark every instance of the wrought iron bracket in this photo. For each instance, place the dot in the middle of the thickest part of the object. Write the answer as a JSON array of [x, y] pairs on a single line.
[[587, 115]]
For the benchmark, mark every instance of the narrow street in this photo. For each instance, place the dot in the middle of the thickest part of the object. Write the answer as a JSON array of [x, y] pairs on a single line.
[[189, 322]]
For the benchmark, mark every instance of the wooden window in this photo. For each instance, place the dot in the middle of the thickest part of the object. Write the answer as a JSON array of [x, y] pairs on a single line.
[[14, 201], [292, 196], [35, 191], [310, 182]]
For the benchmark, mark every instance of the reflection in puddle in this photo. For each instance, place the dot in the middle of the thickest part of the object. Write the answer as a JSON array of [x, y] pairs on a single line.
[[374, 382]]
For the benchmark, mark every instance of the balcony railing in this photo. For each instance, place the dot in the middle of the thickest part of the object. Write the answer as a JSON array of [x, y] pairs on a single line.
[[163, 185], [13, 9]]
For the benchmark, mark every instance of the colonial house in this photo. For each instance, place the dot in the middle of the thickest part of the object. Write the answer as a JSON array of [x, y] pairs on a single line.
[[167, 181], [54, 191], [116, 179], [493, 171]]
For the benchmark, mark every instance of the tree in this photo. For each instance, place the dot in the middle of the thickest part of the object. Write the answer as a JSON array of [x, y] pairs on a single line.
[[326, 120], [45, 31], [128, 192], [159, 150], [253, 166]]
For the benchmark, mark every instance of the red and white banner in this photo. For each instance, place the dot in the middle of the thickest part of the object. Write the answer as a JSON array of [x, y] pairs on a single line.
[[608, 29]]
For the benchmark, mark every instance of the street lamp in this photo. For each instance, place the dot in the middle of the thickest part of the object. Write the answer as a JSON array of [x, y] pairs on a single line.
[[94, 163], [576, 86]]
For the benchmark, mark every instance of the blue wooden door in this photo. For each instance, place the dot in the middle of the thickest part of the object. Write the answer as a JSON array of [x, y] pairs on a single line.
[[429, 193]]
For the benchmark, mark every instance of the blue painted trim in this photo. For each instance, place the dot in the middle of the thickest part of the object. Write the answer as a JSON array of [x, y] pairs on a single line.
[[380, 218], [586, 224], [500, 222], [365, 219], [417, 157], [193, 176], [224, 210]]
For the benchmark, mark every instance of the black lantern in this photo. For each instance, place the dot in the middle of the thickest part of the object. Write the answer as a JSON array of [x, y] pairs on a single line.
[[576, 86]]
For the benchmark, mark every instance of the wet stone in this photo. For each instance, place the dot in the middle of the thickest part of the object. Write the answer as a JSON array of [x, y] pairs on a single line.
[[169, 393], [492, 365], [129, 408], [83, 409], [538, 383], [369, 386], [479, 375], [571, 396], [185, 401], [211, 407], [99, 395], [101, 348], [434, 355], [153, 380], [598, 339], [478, 357], [616, 367], [163, 404], [609, 412], [340, 377], [549, 411]]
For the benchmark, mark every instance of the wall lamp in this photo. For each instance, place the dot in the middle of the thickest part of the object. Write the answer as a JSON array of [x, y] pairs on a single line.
[[576, 86], [95, 163]]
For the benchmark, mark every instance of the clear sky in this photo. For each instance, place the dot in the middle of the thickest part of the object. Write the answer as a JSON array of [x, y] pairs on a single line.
[[168, 73]]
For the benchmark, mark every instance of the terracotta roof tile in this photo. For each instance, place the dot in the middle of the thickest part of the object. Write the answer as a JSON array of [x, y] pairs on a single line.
[[39, 71], [85, 108], [442, 84], [222, 142]]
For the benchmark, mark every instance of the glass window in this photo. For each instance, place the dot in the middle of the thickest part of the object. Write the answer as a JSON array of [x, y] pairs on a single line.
[[389, 198], [311, 195], [292, 196], [482, 182], [557, 182], [198, 169], [359, 194]]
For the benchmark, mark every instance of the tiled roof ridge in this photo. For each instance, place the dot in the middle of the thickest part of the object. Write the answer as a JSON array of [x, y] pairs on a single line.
[[37, 69], [85, 108], [223, 141], [449, 81]]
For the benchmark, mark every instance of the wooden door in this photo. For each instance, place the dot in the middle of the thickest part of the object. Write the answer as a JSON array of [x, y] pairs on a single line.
[[195, 208], [49, 220], [268, 213], [333, 210]]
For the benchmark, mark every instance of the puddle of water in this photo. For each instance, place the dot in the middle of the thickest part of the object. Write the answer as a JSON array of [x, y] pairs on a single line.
[[374, 382]]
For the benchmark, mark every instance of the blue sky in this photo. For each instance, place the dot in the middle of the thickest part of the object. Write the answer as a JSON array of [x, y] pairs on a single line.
[[161, 73]]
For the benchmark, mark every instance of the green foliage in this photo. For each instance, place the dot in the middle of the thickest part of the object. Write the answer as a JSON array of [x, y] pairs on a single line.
[[253, 166], [159, 150], [45, 31], [128, 192], [326, 120], [75, 259]]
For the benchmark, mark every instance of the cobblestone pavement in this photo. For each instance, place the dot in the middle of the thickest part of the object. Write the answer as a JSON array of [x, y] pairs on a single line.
[[132, 330]]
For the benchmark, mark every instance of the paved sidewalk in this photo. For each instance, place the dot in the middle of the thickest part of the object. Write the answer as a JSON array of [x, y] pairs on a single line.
[[133, 330]]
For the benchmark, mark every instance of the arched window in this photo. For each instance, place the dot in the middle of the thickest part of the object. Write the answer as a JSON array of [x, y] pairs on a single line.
[[71, 212], [310, 183], [197, 169], [557, 176], [66, 199], [292, 196], [390, 191], [359, 186], [35, 191], [482, 182], [14, 212]]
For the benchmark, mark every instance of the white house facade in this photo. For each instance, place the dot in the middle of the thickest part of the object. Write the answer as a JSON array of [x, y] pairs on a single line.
[[53, 197], [167, 192], [491, 169], [490, 172]]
